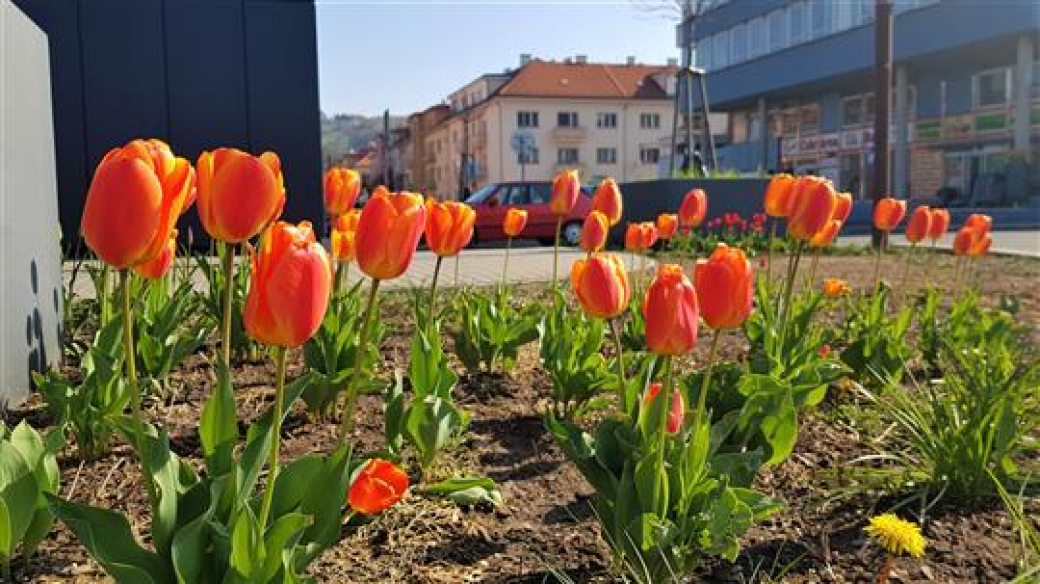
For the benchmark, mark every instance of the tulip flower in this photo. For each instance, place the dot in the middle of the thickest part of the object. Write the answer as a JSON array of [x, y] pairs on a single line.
[[888, 212], [344, 236], [137, 194], [675, 413], [964, 239], [565, 191], [778, 195], [158, 266], [601, 285], [647, 235], [981, 222], [513, 225], [135, 198], [919, 225], [388, 233], [834, 287], [842, 207], [238, 195], [342, 187], [288, 295], [692, 210], [671, 312], [725, 287], [667, 225], [826, 236], [449, 228], [607, 200], [813, 206], [377, 487], [594, 232], [938, 225], [632, 237], [980, 246]]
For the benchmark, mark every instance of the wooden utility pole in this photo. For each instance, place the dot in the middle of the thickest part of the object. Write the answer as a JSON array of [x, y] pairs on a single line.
[[882, 102]]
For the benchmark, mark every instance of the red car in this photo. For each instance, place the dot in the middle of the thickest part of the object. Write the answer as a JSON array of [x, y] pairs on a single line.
[[493, 200]]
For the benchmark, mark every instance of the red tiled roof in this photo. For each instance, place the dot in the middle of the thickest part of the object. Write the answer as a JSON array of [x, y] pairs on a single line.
[[596, 80]]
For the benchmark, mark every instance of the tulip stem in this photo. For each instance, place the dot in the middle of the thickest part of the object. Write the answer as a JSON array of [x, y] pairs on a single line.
[[229, 287], [792, 272], [433, 287], [457, 269], [276, 436], [812, 267], [337, 282], [909, 261], [665, 395], [556, 252], [619, 348], [702, 397], [135, 392], [769, 253], [505, 264], [877, 260], [350, 403]]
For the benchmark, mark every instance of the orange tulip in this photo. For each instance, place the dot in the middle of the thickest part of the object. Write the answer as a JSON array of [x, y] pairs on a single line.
[[288, 287], [515, 221], [842, 207], [632, 237], [888, 213], [692, 210], [344, 235], [239, 194], [379, 191], [647, 235], [667, 225], [964, 239], [388, 232], [812, 207], [565, 190], [939, 224], [670, 310], [157, 267], [833, 287], [826, 236], [980, 222], [137, 194], [779, 195], [980, 246], [449, 227], [920, 224], [594, 232], [607, 200], [342, 187], [601, 285], [377, 487], [677, 411], [725, 287]]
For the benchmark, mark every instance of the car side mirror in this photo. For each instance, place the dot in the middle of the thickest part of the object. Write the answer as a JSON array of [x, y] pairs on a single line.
[[492, 201]]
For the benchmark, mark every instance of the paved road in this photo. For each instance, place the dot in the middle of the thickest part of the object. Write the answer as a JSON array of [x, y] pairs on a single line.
[[1024, 243]]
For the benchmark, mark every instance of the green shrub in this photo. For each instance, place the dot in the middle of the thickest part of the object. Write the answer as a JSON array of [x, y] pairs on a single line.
[[488, 330], [27, 471], [570, 352]]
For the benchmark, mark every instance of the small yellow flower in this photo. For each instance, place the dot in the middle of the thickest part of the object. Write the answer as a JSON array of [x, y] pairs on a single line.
[[834, 287], [896, 535]]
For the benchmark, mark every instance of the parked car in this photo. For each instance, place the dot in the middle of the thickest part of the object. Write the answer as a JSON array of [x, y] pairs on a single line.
[[493, 200]]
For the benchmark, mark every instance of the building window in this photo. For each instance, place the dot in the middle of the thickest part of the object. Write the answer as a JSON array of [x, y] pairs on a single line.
[[758, 37], [606, 156], [991, 87], [649, 155], [703, 49], [1036, 81], [822, 19], [567, 119], [567, 156], [650, 121], [809, 118], [606, 120], [738, 44], [798, 13], [854, 111], [528, 157], [527, 119], [778, 30]]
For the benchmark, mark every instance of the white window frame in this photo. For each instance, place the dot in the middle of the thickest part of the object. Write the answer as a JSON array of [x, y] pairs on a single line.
[[570, 115], [530, 115], [650, 121], [976, 93], [644, 155], [560, 159], [603, 117], [606, 155], [738, 44]]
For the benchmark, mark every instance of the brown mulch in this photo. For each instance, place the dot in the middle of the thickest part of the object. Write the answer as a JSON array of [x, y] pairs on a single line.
[[546, 524]]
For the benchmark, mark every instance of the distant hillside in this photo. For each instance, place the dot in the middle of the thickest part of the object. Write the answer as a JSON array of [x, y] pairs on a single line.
[[341, 133]]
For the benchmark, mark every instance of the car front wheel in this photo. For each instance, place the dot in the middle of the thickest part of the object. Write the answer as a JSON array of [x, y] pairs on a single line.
[[571, 234]]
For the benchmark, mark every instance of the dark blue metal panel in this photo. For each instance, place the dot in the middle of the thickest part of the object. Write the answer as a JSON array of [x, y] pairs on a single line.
[[284, 112]]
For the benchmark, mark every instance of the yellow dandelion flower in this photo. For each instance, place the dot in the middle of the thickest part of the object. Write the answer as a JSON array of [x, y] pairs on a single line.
[[834, 287], [896, 535]]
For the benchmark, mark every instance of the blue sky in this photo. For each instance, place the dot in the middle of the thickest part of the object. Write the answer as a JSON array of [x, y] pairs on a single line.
[[409, 54]]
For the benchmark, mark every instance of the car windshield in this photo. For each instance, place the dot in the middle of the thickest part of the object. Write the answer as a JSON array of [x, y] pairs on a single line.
[[481, 194]]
